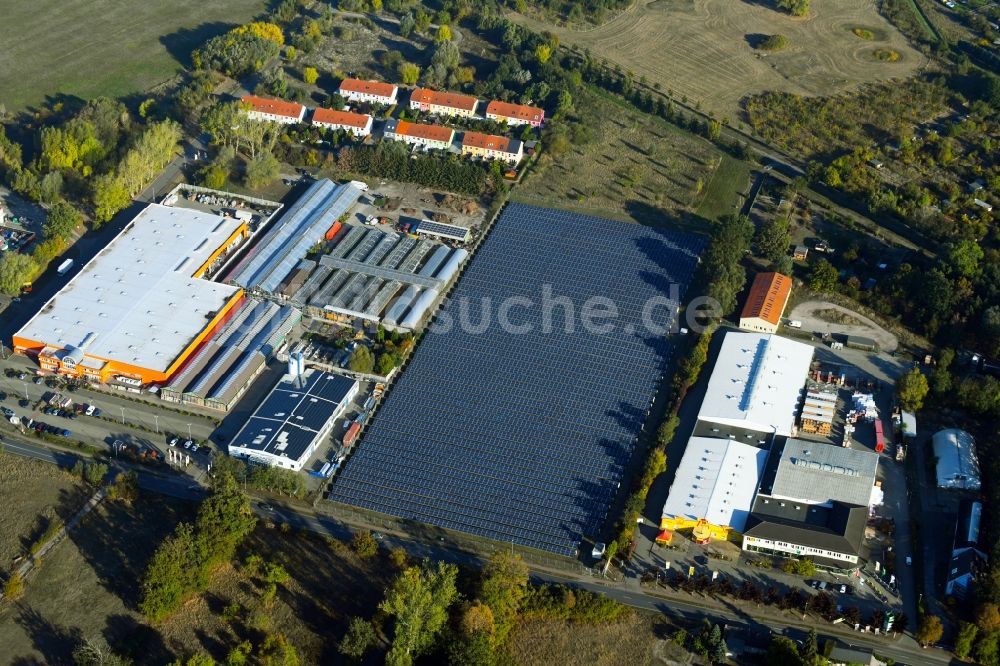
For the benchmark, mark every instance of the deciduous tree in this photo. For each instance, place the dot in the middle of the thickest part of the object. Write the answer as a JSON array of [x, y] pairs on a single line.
[[419, 600], [911, 389]]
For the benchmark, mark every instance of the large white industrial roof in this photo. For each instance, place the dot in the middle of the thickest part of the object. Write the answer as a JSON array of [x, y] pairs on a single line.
[[136, 300], [757, 382], [957, 463], [716, 480]]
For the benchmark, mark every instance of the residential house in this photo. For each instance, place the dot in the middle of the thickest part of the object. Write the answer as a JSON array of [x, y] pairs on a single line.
[[358, 124], [515, 114], [443, 103], [417, 134], [274, 110], [373, 92], [853, 656], [490, 146]]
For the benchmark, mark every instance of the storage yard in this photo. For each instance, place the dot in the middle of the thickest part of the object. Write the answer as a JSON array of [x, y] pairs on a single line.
[[474, 435]]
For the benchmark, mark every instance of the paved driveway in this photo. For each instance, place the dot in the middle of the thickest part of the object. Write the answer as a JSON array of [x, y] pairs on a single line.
[[806, 313]]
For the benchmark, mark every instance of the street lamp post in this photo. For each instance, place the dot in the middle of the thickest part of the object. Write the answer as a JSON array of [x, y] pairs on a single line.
[[123, 415], [25, 390], [156, 423]]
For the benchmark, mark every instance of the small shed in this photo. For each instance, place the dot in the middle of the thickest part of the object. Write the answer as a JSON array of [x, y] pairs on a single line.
[[861, 342], [800, 252]]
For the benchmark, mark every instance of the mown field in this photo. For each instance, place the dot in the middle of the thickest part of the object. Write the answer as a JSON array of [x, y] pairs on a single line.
[[701, 49], [103, 47], [724, 194], [32, 493], [633, 165]]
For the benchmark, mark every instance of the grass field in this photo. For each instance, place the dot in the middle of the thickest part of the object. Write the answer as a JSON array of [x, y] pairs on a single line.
[[635, 165], [724, 194], [639, 638], [103, 47], [701, 49], [32, 493]]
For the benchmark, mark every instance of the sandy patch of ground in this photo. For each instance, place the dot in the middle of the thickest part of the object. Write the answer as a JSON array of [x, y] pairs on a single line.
[[814, 316]]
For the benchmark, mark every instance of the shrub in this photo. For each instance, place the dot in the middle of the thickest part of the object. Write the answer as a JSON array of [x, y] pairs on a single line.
[[364, 544], [864, 34], [14, 587], [886, 55], [773, 43]]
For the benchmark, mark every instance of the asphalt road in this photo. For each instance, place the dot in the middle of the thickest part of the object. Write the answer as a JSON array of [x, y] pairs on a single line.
[[904, 650]]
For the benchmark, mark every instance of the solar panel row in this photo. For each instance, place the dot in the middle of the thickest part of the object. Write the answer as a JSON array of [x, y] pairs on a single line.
[[525, 435]]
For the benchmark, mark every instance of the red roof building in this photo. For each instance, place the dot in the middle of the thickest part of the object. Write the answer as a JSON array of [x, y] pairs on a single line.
[[276, 110], [492, 146], [445, 103], [766, 303], [378, 92], [431, 136], [515, 114], [359, 124]]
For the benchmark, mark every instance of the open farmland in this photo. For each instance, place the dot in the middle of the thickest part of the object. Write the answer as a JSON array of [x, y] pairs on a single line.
[[103, 47], [638, 638], [632, 165], [700, 49], [32, 494]]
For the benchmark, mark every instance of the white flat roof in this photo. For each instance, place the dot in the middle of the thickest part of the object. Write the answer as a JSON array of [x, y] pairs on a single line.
[[716, 480], [757, 382], [136, 299]]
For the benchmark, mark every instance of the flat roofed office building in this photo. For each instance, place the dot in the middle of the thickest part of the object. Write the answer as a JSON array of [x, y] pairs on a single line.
[[296, 417]]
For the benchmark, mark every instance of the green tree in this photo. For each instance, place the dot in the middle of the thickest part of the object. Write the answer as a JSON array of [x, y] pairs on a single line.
[[13, 587], [823, 277], [542, 53], [419, 600], [224, 518], [262, 170], [15, 270], [911, 389], [360, 637], [50, 187], [665, 433], [773, 238], [503, 588], [773, 43], [168, 578], [929, 630], [364, 544], [809, 651], [386, 362], [965, 640], [964, 258], [782, 652], [310, 75], [94, 473], [361, 360], [276, 650], [409, 73], [61, 221], [109, 196], [795, 7], [443, 34], [987, 651]]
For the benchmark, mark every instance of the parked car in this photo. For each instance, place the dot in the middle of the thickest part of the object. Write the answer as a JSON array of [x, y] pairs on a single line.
[[97, 412], [91, 410], [909, 561], [188, 444], [39, 380], [3, 396], [173, 441], [23, 402], [9, 413], [66, 433], [599, 549]]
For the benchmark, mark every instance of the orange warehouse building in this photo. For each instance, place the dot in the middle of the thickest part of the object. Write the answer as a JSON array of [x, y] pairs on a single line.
[[140, 309], [766, 303]]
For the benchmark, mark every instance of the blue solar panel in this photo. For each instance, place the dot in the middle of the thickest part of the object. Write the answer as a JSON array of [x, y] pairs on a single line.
[[525, 436]]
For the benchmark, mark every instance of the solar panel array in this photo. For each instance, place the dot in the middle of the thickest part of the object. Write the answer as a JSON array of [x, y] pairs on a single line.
[[525, 437]]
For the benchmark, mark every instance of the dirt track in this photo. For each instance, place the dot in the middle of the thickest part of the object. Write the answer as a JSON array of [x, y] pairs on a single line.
[[805, 312], [700, 49]]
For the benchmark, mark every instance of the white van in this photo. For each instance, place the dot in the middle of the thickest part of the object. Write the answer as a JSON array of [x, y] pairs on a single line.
[[794, 323]]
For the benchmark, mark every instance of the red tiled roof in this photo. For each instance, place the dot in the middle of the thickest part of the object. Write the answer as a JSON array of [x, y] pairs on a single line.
[[367, 87], [768, 297], [277, 107], [419, 131], [359, 120], [450, 100], [518, 111], [487, 142]]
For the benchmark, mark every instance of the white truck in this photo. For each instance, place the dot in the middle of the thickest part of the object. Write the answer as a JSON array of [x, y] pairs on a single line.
[[64, 267]]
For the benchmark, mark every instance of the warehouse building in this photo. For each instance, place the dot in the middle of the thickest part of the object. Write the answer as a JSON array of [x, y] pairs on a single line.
[[139, 310], [358, 124], [755, 388], [766, 302], [376, 276], [303, 225], [220, 372], [443, 103], [294, 419], [417, 134], [957, 462], [713, 490], [817, 473]]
